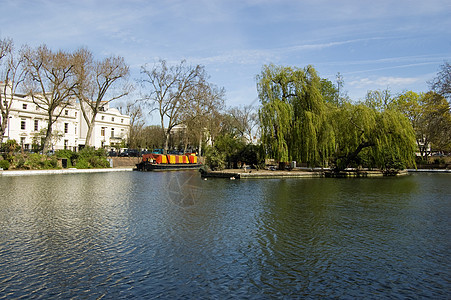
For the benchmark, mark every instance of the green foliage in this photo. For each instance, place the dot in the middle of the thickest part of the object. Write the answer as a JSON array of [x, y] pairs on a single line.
[[214, 158], [4, 164], [292, 115], [368, 137], [430, 117], [88, 158], [64, 154], [35, 161], [9, 148], [302, 120], [253, 156], [232, 152], [329, 92]]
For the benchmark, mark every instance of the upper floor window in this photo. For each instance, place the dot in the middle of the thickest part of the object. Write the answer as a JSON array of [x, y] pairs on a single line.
[[102, 131], [66, 127], [112, 119], [122, 120], [103, 118], [24, 106], [36, 125], [22, 124], [112, 132], [66, 112]]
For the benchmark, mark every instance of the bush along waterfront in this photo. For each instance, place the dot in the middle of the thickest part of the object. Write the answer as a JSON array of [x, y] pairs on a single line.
[[87, 158]]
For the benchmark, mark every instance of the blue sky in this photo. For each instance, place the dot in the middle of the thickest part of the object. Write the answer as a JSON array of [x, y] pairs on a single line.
[[379, 44]]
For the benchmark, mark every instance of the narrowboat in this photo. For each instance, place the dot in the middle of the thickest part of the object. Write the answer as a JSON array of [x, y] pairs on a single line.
[[168, 162]]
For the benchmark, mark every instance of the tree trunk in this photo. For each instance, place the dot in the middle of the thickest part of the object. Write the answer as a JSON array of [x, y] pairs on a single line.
[[3, 126], [352, 156], [166, 143], [200, 144], [48, 136], [89, 133]]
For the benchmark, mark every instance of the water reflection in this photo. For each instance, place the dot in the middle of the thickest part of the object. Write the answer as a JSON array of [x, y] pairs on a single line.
[[120, 235]]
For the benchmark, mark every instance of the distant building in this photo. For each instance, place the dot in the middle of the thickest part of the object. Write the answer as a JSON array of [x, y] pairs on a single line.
[[27, 123]]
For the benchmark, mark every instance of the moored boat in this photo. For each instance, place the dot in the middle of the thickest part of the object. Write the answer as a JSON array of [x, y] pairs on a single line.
[[168, 162]]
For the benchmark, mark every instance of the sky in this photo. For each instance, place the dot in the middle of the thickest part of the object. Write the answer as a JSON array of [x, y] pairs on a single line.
[[397, 45]]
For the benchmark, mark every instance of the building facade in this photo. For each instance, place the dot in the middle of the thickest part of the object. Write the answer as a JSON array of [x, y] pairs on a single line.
[[27, 124]]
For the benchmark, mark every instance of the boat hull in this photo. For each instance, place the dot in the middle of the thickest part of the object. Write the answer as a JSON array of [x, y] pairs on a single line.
[[146, 167]]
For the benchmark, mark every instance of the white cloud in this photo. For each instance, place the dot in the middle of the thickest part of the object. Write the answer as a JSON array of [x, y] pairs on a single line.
[[383, 82]]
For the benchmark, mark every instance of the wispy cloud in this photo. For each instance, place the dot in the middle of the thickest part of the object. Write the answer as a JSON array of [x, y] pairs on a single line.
[[383, 81]]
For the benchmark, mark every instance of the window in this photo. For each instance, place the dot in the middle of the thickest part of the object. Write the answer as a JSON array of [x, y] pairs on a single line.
[[66, 112], [37, 108], [75, 114], [66, 143], [103, 118], [112, 119], [122, 120], [22, 124], [66, 127], [112, 132], [24, 106], [102, 131], [36, 125]]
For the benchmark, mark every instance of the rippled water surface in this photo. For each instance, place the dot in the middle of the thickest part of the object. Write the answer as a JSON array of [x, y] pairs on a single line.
[[172, 235]]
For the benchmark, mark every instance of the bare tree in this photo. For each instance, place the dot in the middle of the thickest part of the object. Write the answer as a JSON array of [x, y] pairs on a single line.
[[51, 83], [170, 90], [441, 84], [245, 121], [95, 83], [12, 76], [206, 100], [135, 133]]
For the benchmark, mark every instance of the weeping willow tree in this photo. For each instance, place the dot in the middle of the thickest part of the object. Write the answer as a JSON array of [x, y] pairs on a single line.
[[368, 137], [292, 115]]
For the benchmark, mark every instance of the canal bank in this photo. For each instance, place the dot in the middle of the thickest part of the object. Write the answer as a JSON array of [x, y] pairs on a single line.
[[297, 173], [61, 171]]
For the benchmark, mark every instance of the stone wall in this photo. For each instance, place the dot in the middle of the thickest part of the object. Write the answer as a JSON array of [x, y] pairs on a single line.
[[125, 161]]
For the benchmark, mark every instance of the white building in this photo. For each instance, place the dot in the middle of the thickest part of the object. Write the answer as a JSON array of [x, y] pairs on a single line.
[[27, 123]]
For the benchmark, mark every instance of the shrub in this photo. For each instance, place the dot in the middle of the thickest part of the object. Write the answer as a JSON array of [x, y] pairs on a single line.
[[214, 159], [39, 161], [88, 157], [4, 164]]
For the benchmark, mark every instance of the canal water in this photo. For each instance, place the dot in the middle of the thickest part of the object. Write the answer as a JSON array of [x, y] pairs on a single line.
[[172, 235]]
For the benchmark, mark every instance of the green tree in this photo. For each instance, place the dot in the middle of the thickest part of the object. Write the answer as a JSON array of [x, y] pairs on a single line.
[[435, 121], [368, 137], [292, 115], [329, 92], [430, 117]]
